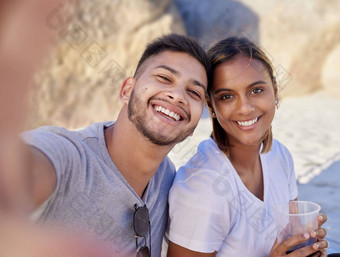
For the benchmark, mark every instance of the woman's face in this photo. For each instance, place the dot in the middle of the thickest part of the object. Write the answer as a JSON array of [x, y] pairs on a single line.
[[243, 99]]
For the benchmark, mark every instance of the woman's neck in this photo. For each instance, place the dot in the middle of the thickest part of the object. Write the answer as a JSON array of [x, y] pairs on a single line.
[[247, 163], [244, 157]]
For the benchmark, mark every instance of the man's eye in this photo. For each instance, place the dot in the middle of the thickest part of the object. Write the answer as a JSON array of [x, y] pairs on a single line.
[[195, 93], [164, 78]]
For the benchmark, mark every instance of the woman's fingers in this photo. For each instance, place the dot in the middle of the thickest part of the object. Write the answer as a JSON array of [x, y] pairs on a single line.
[[319, 233], [285, 245], [318, 248], [323, 253], [304, 251], [322, 218], [321, 245]]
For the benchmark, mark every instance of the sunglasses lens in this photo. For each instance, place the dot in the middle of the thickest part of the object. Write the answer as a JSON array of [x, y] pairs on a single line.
[[141, 221], [143, 252]]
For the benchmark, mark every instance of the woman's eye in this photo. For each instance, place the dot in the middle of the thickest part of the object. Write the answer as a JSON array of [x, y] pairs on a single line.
[[257, 90], [226, 97]]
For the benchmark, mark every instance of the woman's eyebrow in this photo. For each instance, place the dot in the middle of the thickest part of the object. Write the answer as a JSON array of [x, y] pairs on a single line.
[[231, 90]]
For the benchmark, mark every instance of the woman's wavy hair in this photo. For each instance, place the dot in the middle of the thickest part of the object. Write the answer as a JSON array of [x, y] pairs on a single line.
[[225, 51]]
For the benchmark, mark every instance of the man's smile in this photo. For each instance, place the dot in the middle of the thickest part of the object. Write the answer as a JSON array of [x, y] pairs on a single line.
[[167, 112]]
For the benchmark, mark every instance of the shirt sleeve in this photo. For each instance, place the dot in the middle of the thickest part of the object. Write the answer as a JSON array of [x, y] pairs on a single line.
[[55, 143], [292, 186], [199, 219]]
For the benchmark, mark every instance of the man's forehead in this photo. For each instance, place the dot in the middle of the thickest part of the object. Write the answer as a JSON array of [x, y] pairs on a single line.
[[172, 56], [175, 63]]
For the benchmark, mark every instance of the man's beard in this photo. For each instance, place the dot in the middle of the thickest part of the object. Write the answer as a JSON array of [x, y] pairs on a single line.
[[137, 115]]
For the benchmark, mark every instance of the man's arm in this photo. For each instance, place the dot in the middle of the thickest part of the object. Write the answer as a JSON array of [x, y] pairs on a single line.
[[43, 177], [27, 177]]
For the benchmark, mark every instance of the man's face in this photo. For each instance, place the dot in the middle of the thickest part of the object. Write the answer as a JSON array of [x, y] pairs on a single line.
[[168, 96]]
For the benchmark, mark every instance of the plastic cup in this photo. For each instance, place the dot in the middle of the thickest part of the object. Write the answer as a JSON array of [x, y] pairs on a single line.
[[296, 218]]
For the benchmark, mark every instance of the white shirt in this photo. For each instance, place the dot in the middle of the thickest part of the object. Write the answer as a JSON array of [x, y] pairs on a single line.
[[212, 210]]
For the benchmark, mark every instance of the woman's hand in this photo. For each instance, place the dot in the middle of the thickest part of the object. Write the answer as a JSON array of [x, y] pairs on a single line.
[[316, 249], [320, 234]]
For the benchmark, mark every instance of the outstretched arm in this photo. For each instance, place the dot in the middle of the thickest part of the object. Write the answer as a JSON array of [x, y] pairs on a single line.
[[27, 177]]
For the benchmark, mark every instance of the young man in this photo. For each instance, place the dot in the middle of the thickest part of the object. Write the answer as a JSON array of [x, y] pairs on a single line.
[[112, 179]]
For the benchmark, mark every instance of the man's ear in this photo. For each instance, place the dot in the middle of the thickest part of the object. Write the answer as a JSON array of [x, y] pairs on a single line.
[[126, 89]]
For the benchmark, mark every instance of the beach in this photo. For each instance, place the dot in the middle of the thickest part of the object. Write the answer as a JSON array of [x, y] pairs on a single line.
[[309, 127]]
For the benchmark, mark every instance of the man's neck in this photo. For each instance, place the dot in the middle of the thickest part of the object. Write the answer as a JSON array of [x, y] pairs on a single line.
[[136, 158]]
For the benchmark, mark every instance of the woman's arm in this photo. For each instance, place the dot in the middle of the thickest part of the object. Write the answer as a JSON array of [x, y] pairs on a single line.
[[175, 250]]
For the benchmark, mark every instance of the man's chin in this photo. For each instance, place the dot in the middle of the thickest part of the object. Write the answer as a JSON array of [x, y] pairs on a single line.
[[162, 141]]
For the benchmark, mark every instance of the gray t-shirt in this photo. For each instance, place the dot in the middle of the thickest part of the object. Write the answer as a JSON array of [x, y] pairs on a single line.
[[91, 193]]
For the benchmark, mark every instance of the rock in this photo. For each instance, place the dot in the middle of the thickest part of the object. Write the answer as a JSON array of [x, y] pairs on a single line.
[[100, 46], [211, 21], [297, 35]]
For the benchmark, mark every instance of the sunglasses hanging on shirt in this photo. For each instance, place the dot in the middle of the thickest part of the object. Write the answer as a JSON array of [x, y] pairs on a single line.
[[141, 225]]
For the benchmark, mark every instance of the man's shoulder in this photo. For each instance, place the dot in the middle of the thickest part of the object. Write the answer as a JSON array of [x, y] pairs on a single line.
[[167, 169], [81, 133], [46, 134], [94, 130], [164, 176]]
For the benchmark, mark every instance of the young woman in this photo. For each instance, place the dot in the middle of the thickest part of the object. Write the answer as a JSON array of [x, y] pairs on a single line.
[[221, 201]]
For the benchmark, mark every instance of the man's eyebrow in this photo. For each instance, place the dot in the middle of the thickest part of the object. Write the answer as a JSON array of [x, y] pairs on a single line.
[[169, 69], [194, 82], [249, 86], [197, 83]]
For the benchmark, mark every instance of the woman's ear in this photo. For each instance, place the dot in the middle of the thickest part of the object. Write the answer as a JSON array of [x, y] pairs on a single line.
[[276, 93], [126, 89], [210, 108]]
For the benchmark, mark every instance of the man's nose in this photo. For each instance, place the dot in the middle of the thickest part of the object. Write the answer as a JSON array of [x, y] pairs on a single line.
[[177, 95]]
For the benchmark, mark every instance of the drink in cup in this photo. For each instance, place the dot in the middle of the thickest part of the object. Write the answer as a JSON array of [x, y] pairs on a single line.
[[296, 218]]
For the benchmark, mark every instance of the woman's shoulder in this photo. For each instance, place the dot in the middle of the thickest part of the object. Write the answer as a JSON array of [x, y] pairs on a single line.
[[278, 148], [208, 159], [205, 171], [279, 156]]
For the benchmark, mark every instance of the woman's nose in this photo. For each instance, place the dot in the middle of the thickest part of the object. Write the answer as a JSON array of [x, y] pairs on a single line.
[[245, 106]]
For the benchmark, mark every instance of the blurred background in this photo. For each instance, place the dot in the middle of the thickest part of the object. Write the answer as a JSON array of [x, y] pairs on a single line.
[[99, 43], [103, 40]]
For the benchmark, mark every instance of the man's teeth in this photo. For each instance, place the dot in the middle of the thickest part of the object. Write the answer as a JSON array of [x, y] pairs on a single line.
[[247, 123], [168, 112]]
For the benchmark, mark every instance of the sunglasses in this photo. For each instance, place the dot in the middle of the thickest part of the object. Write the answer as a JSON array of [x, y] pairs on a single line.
[[141, 225]]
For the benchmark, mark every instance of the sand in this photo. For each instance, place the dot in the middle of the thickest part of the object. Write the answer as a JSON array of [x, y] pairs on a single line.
[[310, 128]]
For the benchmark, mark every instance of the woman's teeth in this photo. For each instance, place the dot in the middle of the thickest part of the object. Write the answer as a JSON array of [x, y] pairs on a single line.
[[247, 123]]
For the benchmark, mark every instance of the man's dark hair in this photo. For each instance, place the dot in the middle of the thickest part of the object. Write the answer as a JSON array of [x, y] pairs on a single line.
[[175, 43]]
